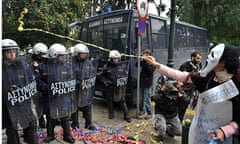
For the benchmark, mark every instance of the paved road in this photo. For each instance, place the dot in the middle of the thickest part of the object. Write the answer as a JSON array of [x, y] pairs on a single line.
[[108, 129]]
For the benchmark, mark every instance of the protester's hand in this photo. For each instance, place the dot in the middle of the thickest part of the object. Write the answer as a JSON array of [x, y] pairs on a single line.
[[151, 60], [217, 134]]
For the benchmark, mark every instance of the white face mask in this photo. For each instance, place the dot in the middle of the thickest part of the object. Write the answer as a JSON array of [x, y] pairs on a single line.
[[212, 59], [223, 76]]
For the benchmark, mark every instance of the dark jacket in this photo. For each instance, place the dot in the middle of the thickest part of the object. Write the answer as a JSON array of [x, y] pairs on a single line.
[[189, 66], [51, 79], [146, 75], [111, 72], [167, 103]]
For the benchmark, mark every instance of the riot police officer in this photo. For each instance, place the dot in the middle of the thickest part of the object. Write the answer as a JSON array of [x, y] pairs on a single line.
[[85, 72], [61, 85], [114, 77], [19, 86], [39, 53]]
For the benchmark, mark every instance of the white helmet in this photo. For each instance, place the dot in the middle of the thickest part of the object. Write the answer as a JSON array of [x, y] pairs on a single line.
[[9, 44], [114, 54], [81, 48], [30, 51], [56, 49], [71, 50], [39, 48]]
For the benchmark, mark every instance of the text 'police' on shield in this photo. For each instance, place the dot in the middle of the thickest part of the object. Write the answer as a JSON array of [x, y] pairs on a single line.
[[59, 88], [22, 94]]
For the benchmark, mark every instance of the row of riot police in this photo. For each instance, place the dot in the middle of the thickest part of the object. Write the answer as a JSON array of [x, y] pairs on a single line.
[[70, 83], [53, 84]]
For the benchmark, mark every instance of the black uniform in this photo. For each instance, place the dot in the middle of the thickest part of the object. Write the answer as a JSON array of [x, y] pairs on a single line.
[[58, 80], [111, 73], [85, 73], [36, 61]]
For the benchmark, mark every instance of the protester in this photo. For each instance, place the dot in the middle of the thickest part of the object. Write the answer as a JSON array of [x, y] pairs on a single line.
[[19, 86], [114, 77], [217, 112], [167, 99], [193, 65], [85, 72], [146, 82]]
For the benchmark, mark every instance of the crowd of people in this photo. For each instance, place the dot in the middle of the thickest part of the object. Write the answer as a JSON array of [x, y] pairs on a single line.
[[57, 82]]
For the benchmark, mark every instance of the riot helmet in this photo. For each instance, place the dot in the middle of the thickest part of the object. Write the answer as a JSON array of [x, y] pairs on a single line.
[[39, 48], [70, 51], [30, 51], [81, 48], [9, 45], [114, 54], [56, 49], [81, 51]]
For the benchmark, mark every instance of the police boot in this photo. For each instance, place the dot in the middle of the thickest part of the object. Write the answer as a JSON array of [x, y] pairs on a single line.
[[50, 130], [88, 117], [110, 108], [125, 111], [12, 136], [66, 130], [30, 133], [74, 118]]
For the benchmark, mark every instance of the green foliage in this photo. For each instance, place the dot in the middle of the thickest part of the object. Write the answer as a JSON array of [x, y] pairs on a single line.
[[220, 17], [114, 4], [49, 15]]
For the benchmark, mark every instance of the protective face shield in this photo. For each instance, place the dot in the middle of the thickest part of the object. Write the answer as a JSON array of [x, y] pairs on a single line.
[[56, 49], [114, 54], [39, 48], [213, 59], [81, 48]]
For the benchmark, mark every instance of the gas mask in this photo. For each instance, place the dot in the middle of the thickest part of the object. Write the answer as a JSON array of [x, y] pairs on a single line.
[[213, 59]]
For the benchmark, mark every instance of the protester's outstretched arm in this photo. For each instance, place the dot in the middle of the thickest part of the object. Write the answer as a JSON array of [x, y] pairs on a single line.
[[165, 70], [224, 132]]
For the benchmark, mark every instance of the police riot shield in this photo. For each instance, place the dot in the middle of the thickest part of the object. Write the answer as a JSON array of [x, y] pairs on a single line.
[[37, 99], [19, 89], [61, 88], [121, 84], [87, 79]]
